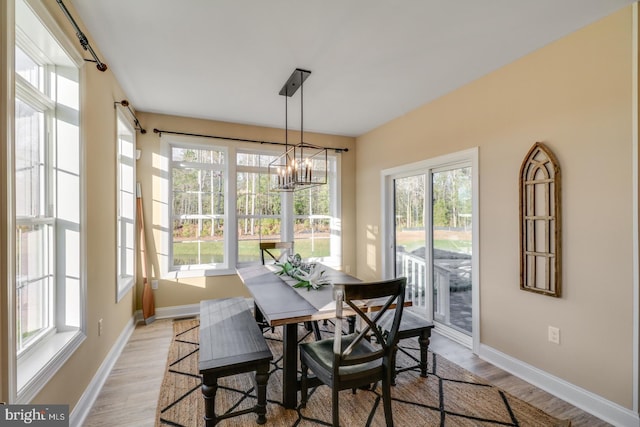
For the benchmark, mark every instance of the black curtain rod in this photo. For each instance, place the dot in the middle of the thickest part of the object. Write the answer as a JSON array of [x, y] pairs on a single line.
[[160, 132], [125, 104], [83, 39]]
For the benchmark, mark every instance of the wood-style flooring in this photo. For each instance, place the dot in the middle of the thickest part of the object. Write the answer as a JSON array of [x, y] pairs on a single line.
[[130, 394]]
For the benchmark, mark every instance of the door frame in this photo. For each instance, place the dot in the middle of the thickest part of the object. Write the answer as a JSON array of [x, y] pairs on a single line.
[[387, 234]]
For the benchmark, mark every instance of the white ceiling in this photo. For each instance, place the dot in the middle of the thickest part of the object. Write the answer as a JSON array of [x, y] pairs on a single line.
[[371, 60]]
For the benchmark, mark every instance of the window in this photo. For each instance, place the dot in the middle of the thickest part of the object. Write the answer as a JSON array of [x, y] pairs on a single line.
[[126, 206], [315, 218], [198, 207], [258, 210], [47, 186], [201, 241]]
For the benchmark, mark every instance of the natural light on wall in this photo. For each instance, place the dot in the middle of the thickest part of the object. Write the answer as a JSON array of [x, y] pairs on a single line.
[[48, 183]]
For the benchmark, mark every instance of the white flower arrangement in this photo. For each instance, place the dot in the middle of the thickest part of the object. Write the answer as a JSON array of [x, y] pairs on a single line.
[[309, 275]]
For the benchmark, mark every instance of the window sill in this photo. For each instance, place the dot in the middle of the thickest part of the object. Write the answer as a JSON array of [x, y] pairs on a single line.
[[125, 284], [39, 366], [198, 272]]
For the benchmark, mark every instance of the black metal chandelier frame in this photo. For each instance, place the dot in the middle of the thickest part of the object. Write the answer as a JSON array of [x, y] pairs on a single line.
[[302, 165]]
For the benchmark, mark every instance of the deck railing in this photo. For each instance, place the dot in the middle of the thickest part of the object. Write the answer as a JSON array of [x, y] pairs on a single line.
[[414, 268]]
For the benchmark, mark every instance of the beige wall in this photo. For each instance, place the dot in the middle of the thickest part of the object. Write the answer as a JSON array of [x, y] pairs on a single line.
[[575, 96], [176, 292]]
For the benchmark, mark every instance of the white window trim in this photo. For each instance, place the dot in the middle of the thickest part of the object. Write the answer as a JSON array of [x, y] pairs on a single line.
[[53, 353], [187, 271], [387, 222], [231, 241], [124, 284]]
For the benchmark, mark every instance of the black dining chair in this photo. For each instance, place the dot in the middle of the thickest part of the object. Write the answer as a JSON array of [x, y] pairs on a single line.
[[351, 361], [268, 247]]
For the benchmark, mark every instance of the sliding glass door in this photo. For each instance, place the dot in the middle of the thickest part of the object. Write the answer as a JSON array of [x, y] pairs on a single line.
[[411, 237], [432, 242], [451, 248]]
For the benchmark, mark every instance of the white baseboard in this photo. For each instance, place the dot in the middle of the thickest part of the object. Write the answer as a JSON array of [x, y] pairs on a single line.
[[583, 399], [175, 311], [88, 398]]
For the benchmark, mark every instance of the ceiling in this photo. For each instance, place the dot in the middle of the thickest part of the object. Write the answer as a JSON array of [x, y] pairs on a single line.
[[370, 60]]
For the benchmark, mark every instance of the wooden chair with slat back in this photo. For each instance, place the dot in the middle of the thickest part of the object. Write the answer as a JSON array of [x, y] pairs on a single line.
[[351, 361], [272, 246]]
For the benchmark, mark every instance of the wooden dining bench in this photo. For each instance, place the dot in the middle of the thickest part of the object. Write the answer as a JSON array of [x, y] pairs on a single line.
[[231, 343]]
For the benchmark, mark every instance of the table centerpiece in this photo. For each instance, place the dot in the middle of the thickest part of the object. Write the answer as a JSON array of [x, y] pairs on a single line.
[[309, 274]]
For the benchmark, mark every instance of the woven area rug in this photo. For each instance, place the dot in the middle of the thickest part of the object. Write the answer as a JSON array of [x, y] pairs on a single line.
[[449, 396]]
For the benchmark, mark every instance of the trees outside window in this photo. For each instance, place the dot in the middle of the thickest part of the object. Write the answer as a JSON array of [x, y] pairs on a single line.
[[215, 232]]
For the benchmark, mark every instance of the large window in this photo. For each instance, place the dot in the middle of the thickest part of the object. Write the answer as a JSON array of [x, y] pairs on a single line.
[[259, 211], [47, 186], [201, 239], [314, 218], [198, 207], [126, 205]]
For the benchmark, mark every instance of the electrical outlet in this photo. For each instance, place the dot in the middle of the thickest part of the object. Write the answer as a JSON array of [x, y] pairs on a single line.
[[554, 335], [99, 327], [154, 284]]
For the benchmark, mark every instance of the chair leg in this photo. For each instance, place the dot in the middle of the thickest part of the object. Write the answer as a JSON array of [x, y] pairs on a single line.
[[386, 399], [335, 407], [392, 365], [316, 330], [303, 385]]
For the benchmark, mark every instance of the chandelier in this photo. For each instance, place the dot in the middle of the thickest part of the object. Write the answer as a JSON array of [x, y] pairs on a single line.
[[302, 165]]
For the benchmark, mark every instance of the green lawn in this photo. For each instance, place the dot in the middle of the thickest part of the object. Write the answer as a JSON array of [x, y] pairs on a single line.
[[248, 250], [463, 246]]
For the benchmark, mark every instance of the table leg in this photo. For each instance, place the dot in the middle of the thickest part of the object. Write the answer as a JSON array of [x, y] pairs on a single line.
[[209, 389], [351, 321], [290, 366]]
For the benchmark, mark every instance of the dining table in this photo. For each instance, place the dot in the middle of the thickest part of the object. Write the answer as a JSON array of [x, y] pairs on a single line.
[[282, 304]]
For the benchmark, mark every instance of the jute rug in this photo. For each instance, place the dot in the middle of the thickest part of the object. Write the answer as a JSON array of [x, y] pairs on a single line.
[[449, 396]]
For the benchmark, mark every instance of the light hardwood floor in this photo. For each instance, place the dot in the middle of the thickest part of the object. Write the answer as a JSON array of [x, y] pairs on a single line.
[[130, 394]]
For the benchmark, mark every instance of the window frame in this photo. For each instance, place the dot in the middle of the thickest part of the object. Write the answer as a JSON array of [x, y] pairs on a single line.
[[124, 282], [30, 371], [191, 270], [260, 170], [231, 216], [428, 167]]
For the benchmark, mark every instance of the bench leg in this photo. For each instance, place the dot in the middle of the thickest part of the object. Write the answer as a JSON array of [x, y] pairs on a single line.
[[423, 340], [262, 377], [209, 389]]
